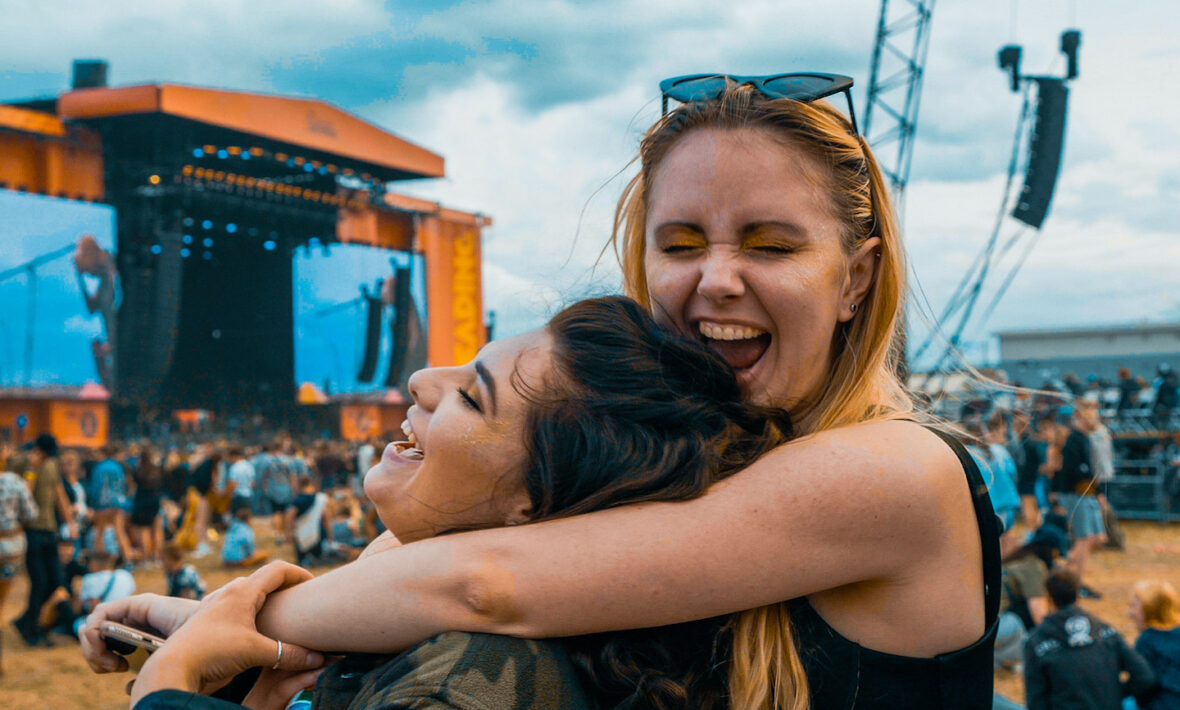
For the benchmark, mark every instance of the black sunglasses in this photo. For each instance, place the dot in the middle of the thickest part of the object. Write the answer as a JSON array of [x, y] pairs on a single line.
[[805, 87]]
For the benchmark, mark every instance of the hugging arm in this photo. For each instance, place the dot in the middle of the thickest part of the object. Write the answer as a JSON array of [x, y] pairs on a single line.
[[865, 503]]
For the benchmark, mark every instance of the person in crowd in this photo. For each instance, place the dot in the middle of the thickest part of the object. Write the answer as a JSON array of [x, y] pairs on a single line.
[[104, 583], [17, 509], [1002, 485], [1154, 606], [238, 548], [182, 578], [306, 521], [998, 474], [1167, 396], [762, 227], [240, 479], [41, 535], [1023, 600], [146, 522], [63, 606], [1076, 491], [1102, 465], [1029, 457], [342, 542], [205, 464], [108, 499], [73, 477], [1073, 660], [277, 486], [1128, 391]]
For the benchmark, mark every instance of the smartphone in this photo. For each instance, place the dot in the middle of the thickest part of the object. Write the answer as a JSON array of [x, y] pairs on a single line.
[[130, 643]]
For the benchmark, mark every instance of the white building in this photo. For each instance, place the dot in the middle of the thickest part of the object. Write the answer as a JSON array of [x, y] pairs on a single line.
[[1033, 357]]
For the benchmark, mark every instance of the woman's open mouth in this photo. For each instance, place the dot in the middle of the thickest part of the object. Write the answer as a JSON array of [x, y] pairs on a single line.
[[405, 450], [739, 345]]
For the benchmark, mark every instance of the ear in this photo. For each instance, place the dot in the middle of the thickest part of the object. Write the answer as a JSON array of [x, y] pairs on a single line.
[[518, 509], [862, 274]]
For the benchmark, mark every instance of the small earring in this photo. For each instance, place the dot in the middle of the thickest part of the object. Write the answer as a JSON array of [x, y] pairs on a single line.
[[852, 308]]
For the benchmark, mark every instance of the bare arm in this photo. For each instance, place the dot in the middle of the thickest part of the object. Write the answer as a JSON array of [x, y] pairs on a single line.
[[869, 503]]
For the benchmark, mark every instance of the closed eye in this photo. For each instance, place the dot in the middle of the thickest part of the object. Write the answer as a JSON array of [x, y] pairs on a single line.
[[469, 400]]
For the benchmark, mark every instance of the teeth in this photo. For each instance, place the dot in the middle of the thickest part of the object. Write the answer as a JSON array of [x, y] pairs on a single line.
[[409, 432], [715, 331]]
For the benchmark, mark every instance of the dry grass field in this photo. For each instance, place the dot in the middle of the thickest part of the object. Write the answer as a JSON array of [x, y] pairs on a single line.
[[58, 679]]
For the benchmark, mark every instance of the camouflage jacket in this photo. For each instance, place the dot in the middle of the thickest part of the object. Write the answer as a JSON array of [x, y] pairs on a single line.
[[454, 670]]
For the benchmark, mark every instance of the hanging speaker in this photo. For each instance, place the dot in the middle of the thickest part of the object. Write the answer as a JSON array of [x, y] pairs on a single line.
[[374, 308], [1044, 157], [404, 313]]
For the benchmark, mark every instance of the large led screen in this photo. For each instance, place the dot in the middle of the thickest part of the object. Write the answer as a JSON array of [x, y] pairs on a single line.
[[58, 292], [360, 318]]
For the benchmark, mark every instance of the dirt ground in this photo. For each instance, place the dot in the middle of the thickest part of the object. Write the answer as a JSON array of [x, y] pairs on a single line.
[[58, 678]]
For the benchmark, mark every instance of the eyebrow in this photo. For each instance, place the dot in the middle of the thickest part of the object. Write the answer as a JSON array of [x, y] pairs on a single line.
[[774, 224], [488, 382]]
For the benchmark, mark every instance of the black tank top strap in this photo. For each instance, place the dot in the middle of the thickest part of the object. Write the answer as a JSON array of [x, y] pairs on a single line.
[[989, 526]]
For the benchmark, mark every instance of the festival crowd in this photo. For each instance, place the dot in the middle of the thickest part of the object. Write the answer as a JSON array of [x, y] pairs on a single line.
[[81, 521]]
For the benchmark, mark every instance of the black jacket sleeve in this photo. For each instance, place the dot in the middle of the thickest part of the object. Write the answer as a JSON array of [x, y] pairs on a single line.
[[180, 700], [1036, 690]]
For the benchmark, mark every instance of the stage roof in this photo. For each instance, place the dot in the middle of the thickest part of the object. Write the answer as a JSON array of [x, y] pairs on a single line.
[[306, 123]]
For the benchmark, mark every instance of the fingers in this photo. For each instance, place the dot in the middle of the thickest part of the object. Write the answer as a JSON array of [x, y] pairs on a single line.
[[279, 575], [274, 689], [295, 658]]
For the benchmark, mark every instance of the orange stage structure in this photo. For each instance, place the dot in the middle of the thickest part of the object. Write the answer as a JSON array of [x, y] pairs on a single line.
[[269, 174]]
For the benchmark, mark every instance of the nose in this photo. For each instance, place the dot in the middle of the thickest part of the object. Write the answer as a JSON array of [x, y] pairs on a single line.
[[424, 387], [721, 278]]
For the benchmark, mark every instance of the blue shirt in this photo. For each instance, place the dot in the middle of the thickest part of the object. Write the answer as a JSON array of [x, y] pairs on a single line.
[[239, 543]]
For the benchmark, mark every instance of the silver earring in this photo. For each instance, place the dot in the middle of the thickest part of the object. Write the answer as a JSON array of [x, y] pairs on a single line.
[[852, 308]]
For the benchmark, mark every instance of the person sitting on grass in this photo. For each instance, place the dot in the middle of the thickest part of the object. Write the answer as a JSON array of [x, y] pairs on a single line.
[[238, 549], [305, 518], [183, 579], [1073, 660]]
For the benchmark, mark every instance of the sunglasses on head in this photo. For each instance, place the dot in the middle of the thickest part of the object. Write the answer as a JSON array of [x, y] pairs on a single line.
[[803, 86]]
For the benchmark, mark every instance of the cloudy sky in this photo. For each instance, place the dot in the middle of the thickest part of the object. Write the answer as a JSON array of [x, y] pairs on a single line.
[[538, 107]]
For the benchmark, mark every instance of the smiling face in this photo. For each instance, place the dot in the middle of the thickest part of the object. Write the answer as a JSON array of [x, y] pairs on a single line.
[[742, 250], [463, 464]]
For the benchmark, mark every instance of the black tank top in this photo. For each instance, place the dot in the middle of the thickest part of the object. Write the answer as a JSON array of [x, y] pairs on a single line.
[[843, 675]]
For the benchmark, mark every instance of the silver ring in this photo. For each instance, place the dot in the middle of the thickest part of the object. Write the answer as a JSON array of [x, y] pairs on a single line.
[[280, 658]]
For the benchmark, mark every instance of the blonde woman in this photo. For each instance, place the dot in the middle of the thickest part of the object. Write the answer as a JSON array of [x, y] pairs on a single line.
[[1155, 608], [854, 558]]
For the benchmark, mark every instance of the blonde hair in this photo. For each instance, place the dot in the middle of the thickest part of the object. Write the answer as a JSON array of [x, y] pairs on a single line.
[[766, 671], [1161, 604]]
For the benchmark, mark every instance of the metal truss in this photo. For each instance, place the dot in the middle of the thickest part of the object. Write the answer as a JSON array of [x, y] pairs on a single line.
[[895, 86]]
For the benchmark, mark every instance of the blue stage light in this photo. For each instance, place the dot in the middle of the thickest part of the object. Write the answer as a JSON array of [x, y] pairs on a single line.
[[188, 221], [198, 153], [269, 245], [231, 227], [323, 170], [223, 154], [207, 224], [307, 167], [207, 242], [185, 253], [187, 239], [290, 162], [245, 155], [156, 249]]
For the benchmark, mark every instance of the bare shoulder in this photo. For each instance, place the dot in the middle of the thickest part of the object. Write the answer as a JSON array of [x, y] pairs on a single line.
[[899, 461]]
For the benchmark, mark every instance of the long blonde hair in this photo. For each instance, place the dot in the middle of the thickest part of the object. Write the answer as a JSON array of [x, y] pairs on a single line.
[[766, 672]]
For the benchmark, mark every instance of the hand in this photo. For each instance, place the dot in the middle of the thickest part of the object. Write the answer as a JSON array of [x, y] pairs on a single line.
[[274, 689], [381, 543], [221, 640], [150, 612]]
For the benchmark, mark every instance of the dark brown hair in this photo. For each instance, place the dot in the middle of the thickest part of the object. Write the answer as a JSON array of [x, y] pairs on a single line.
[[631, 413]]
